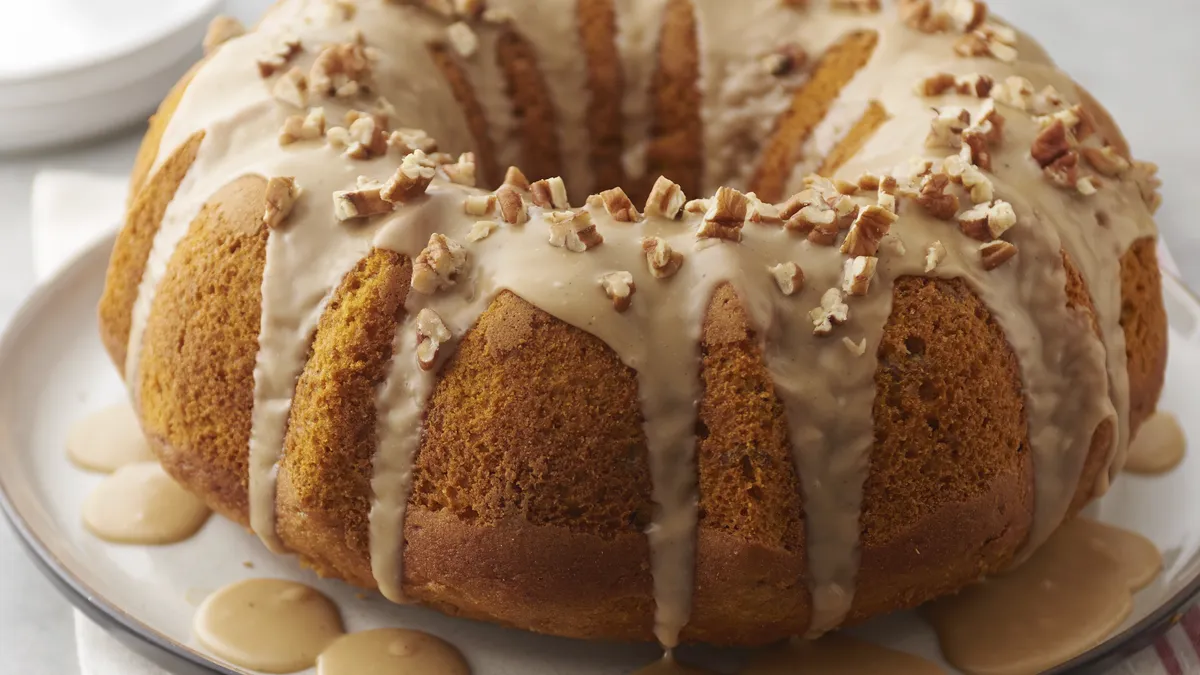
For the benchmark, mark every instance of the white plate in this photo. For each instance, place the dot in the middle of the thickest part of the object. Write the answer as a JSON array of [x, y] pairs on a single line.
[[55, 371], [70, 69]]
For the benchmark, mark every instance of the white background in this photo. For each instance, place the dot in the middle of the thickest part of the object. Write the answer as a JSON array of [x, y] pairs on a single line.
[[1141, 58]]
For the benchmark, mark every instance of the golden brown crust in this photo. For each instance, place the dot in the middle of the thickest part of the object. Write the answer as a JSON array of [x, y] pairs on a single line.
[[324, 488], [676, 145], [513, 445], [809, 106], [132, 248], [949, 496], [532, 108], [598, 30], [196, 374], [485, 151], [751, 577], [1144, 318]]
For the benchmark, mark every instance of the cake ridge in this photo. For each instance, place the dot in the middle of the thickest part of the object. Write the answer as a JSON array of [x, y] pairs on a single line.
[[831, 433]]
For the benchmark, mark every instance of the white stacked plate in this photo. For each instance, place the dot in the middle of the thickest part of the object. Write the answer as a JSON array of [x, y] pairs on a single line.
[[71, 69]]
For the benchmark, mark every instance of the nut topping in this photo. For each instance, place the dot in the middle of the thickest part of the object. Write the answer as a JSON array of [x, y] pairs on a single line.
[[934, 256], [439, 265], [308, 127], [481, 230], [1145, 175], [619, 287], [515, 178], [857, 5], [410, 180], [785, 60], [934, 198], [282, 193], [986, 222], [947, 127], [832, 312], [463, 39], [761, 212], [662, 260], [461, 172], [989, 40], [479, 205], [367, 136], [432, 333], [341, 70], [726, 216], [573, 231], [857, 273], [512, 208], [550, 193], [291, 89], [1106, 161], [408, 141], [869, 228], [996, 253], [361, 203], [788, 276], [222, 29], [275, 60], [666, 199], [619, 206]]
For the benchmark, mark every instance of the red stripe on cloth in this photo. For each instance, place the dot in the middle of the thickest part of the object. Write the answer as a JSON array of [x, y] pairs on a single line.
[[1166, 654], [1191, 625]]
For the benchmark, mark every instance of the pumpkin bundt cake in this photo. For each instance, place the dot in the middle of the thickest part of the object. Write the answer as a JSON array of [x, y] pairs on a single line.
[[862, 305]]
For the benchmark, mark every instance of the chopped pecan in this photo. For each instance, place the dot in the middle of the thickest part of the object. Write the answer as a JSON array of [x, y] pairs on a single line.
[[986, 222], [308, 127], [726, 216], [291, 88], [761, 212], [275, 60], [872, 224], [947, 127], [934, 256], [282, 193], [512, 207], [550, 193], [410, 180], [934, 198], [857, 273], [1106, 161], [573, 230], [479, 205], [788, 277], [408, 141], [341, 70], [481, 230], [1051, 144], [515, 178], [432, 333], [367, 136], [619, 288], [666, 199], [361, 203], [1064, 171], [785, 60], [662, 260], [996, 253], [440, 265], [463, 39], [461, 172], [832, 312], [619, 206]]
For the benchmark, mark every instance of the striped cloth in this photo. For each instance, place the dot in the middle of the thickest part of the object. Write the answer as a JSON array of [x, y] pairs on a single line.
[[1175, 653]]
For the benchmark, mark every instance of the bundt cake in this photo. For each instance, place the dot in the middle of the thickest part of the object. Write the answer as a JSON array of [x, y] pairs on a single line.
[[862, 305]]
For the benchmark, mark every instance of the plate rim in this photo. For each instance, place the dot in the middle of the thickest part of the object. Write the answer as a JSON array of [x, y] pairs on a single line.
[[167, 652]]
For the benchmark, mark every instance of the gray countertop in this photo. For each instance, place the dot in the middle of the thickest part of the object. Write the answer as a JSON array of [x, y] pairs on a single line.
[[1141, 59]]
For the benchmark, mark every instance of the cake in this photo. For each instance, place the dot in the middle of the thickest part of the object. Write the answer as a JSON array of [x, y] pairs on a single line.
[[786, 314]]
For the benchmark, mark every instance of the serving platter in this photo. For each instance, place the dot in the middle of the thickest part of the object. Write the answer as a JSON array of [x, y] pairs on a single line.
[[56, 371]]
